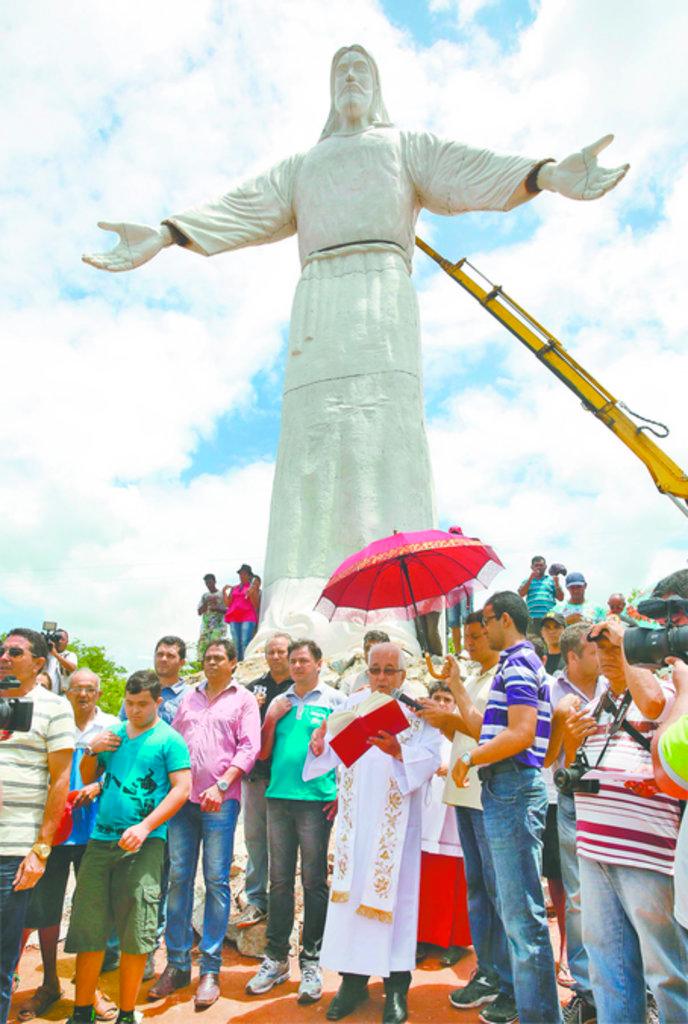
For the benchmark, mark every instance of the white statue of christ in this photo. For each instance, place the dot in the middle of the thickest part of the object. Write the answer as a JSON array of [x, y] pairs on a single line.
[[353, 462]]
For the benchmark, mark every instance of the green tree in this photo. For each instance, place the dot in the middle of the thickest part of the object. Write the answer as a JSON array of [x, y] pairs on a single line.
[[112, 676]]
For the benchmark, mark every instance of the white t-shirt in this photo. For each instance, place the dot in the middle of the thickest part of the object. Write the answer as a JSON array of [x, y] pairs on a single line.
[[58, 677], [478, 685], [24, 769]]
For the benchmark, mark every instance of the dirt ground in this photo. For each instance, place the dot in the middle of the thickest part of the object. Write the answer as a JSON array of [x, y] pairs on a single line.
[[428, 997]]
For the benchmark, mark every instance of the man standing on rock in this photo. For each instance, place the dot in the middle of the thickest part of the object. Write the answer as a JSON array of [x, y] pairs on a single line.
[[372, 917]]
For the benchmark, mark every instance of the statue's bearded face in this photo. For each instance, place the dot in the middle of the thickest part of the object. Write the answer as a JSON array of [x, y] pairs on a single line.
[[353, 85]]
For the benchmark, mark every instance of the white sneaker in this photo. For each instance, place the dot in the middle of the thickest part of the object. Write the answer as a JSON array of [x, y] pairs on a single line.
[[270, 973], [310, 989]]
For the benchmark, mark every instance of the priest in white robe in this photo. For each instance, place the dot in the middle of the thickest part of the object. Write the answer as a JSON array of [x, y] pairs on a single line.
[[372, 916], [353, 462]]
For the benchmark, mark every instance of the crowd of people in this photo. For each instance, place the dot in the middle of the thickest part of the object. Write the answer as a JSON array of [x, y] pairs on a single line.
[[440, 822]]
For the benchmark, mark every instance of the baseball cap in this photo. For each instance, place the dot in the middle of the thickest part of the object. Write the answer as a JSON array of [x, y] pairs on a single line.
[[554, 617], [576, 578]]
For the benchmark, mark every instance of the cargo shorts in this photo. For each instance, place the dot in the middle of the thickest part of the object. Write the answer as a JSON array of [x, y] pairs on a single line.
[[117, 890]]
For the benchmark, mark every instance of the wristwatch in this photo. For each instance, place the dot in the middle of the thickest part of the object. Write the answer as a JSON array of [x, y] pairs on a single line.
[[222, 785], [42, 850], [467, 758]]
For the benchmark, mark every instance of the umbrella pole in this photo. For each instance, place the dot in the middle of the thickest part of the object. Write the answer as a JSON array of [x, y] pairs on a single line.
[[421, 621]]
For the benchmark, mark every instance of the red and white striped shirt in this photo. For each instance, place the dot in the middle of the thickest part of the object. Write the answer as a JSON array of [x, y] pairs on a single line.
[[620, 825]]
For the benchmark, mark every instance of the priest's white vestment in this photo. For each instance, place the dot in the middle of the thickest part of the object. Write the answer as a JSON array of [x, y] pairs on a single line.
[[372, 916], [353, 462]]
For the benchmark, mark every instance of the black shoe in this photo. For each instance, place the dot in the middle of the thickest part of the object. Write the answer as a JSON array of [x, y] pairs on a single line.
[[452, 955], [422, 950], [349, 996], [501, 1011], [396, 1009]]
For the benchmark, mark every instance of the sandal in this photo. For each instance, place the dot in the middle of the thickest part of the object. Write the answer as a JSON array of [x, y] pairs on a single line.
[[105, 1010], [40, 1001], [564, 975]]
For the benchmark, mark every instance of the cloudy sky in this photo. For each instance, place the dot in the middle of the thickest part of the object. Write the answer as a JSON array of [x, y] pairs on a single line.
[[140, 412]]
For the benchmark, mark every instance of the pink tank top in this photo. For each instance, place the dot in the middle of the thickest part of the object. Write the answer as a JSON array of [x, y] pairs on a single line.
[[240, 608]]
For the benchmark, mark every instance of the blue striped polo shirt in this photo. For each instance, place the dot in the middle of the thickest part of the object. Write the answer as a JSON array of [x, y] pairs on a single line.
[[541, 597], [520, 679]]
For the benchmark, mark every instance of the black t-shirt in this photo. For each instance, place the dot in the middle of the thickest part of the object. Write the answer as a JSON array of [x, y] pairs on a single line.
[[553, 662], [261, 769]]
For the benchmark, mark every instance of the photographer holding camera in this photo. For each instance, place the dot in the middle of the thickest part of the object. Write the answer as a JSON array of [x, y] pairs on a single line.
[[34, 768], [61, 662], [626, 839]]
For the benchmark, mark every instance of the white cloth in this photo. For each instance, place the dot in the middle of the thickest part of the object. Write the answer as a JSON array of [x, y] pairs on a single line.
[[367, 945], [353, 448], [440, 831], [59, 678], [478, 685], [99, 723]]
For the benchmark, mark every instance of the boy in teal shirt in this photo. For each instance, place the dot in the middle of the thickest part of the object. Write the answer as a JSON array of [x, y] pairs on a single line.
[[147, 779]]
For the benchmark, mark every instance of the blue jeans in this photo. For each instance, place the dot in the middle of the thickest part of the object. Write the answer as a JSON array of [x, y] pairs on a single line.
[[242, 634], [514, 811], [13, 907], [633, 938], [575, 950], [187, 829], [487, 930], [256, 835], [294, 825]]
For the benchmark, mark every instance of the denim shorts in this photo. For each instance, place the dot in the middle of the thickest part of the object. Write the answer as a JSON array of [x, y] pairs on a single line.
[[120, 890]]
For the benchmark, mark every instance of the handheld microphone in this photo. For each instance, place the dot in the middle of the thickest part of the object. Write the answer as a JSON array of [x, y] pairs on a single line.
[[408, 701]]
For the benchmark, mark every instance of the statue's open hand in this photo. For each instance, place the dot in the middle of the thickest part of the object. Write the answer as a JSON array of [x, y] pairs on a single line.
[[579, 176], [138, 243]]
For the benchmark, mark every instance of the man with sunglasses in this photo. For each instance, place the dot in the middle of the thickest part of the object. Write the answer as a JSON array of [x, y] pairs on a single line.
[[372, 917], [34, 769]]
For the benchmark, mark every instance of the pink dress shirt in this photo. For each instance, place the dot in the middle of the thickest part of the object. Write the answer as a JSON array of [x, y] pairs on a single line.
[[220, 734]]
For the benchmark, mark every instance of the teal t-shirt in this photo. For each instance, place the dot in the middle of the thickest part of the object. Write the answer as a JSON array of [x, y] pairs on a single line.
[[292, 736], [136, 778]]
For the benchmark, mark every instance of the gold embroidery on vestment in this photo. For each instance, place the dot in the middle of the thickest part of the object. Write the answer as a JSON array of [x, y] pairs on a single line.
[[377, 915]]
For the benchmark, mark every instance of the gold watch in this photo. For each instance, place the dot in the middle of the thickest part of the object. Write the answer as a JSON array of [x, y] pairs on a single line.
[[42, 850]]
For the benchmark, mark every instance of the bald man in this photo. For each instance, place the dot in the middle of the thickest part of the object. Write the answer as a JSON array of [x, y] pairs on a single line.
[[372, 916]]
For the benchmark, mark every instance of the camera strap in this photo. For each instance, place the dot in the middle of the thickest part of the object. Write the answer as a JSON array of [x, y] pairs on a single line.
[[619, 711]]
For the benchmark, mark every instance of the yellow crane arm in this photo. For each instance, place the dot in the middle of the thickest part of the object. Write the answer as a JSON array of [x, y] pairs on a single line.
[[668, 477]]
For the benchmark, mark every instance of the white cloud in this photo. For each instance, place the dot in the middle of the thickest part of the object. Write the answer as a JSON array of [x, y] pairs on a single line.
[[134, 110]]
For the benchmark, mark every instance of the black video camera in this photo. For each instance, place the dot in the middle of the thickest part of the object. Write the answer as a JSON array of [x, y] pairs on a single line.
[[51, 633], [570, 780], [652, 646], [15, 715]]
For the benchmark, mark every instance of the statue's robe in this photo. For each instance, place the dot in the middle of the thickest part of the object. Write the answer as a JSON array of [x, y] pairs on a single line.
[[353, 462]]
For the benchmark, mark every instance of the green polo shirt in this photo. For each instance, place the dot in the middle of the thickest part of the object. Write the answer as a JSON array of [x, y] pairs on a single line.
[[292, 736]]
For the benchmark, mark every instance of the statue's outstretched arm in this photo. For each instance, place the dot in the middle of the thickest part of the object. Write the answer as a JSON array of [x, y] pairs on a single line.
[[138, 243], [579, 176]]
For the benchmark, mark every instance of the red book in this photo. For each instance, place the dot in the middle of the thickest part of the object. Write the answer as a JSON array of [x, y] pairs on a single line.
[[352, 741]]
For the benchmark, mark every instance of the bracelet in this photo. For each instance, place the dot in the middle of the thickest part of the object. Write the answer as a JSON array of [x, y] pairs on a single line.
[[530, 184], [178, 237]]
